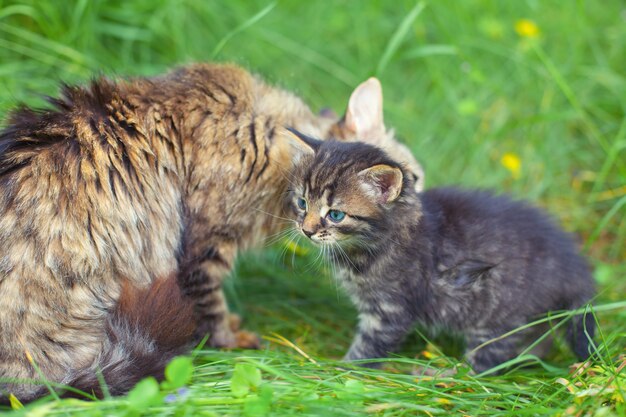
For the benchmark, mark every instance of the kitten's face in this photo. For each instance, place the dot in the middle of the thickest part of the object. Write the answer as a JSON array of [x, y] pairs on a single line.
[[342, 198], [330, 217]]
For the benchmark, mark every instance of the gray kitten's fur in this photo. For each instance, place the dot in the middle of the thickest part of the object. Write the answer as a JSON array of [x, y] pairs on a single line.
[[468, 261]]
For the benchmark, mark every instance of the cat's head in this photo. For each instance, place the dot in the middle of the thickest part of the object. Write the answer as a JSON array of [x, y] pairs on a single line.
[[363, 121], [343, 192]]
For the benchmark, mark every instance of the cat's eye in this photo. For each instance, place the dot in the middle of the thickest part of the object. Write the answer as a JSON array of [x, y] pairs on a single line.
[[336, 215], [301, 203]]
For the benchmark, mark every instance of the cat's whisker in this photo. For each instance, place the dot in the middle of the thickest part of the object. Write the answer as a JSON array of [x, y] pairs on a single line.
[[318, 262], [293, 253], [330, 258], [335, 278], [319, 259], [290, 239], [273, 215], [347, 258], [276, 237]]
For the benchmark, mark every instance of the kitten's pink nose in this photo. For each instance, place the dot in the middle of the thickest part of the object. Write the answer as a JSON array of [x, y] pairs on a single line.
[[308, 233]]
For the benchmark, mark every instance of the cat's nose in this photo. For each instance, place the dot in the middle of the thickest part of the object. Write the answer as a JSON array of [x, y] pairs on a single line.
[[308, 233]]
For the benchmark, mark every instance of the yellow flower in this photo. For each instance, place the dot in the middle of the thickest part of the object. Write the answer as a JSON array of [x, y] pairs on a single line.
[[292, 247], [526, 28], [513, 163], [428, 355]]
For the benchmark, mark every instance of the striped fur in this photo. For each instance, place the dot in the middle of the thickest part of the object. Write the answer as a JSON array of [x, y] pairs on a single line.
[[477, 264]]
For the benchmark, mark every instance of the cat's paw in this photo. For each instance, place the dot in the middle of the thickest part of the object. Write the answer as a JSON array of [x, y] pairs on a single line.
[[223, 338], [234, 322], [247, 340], [243, 339]]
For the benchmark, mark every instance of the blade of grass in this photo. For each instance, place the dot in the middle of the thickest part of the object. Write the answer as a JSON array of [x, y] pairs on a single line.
[[589, 125], [398, 36], [604, 221], [245, 25], [311, 56]]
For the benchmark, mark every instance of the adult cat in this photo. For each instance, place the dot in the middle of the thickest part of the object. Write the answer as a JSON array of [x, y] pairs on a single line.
[[124, 206]]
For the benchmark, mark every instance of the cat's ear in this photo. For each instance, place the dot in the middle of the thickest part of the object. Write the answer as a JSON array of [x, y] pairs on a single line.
[[301, 144], [382, 182], [304, 141], [364, 117]]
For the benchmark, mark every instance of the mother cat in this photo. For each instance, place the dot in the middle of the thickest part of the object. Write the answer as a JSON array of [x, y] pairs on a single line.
[[124, 206]]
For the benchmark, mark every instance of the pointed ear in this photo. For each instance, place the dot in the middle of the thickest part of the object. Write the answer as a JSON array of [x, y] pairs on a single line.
[[383, 182], [301, 144], [303, 140], [364, 116]]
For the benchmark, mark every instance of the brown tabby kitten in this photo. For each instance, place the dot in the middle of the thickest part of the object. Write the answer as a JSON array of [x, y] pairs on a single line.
[[124, 206], [477, 264]]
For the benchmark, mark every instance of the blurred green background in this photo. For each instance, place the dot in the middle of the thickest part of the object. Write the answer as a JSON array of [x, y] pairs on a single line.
[[525, 97]]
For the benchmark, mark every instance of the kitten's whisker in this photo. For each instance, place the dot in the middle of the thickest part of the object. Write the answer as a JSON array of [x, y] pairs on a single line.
[[347, 258], [318, 262], [335, 277], [290, 240], [276, 237], [270, 240], [293, 253], [273, 215]]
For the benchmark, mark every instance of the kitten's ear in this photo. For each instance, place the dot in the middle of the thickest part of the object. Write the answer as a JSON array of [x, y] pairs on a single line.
[[301, 144], [302, 140], [364, 116], [383, 182]]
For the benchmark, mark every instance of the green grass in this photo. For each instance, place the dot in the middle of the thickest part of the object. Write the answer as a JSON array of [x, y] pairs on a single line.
[[463, 89]]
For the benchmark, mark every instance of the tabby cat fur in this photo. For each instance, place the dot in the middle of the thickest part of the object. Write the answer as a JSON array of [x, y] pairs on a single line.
[[468, 261], [124, 206]]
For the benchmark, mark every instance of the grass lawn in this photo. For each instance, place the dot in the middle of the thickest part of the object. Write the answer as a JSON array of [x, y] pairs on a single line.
[[525, 97]]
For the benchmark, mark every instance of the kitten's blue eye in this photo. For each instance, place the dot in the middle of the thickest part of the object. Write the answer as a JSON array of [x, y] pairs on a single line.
[[336, 215], [301, 203]]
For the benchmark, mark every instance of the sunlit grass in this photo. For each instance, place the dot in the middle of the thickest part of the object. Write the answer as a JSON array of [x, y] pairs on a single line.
[[527, 98]]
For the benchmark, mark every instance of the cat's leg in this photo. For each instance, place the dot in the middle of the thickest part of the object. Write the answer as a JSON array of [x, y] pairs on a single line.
[[203, 283], [379, 333], [486, 348]]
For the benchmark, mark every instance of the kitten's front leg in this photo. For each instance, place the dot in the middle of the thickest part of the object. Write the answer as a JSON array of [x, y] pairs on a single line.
[[486, 350], [379, 333]]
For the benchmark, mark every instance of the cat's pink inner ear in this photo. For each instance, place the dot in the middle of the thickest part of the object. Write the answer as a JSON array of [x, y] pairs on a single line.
[[364, 116], [383, 182]]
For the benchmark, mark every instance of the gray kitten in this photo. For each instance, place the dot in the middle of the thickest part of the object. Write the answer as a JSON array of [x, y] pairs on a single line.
[[468, 261]]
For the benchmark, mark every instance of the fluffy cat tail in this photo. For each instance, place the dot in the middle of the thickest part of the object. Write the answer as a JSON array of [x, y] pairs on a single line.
[[580, 332], [145, 331]]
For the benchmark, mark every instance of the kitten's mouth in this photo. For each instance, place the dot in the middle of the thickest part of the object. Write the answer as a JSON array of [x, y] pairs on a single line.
[[326, 239], [316, 239]]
